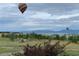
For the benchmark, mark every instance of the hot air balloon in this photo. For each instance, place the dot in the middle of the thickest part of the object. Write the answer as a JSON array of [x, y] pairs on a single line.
[[67, 28], [22, 7]]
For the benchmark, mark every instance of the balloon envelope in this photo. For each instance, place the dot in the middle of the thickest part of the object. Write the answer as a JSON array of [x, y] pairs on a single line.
[[22, 7]]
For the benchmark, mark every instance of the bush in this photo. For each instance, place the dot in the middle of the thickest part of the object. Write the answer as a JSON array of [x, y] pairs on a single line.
[[12, 36], [73, 39], [46, 50]]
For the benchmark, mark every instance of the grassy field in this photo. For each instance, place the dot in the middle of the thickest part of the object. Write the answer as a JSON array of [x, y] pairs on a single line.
[[8, 47]]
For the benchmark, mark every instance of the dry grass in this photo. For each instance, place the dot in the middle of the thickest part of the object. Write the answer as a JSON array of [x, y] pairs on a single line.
[[5, 43]]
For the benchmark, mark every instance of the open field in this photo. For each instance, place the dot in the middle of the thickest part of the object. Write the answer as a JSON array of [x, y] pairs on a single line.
[[8, 47]]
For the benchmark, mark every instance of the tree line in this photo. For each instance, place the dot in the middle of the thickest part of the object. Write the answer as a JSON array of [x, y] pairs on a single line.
[[13, 36]]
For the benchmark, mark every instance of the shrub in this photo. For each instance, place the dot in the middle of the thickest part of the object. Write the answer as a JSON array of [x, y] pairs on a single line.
[[73, 39], [46, 50]]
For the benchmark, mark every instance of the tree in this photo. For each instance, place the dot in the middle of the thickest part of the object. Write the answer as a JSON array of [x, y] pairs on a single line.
[[73, 39], [12, 36], [57, 37], [63, 37], [2, 35]]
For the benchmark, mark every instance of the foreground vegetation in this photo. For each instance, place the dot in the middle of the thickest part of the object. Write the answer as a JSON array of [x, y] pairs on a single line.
[[13, 43], [46, 50]]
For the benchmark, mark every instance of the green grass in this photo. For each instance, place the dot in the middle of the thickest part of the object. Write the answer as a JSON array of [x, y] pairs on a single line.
[[72, 53], [7, 46]]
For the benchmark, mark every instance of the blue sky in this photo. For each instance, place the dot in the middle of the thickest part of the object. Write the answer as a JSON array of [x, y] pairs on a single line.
[[40, 16]]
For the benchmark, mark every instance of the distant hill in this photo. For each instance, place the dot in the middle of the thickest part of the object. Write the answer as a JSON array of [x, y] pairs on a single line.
[[48, 31], [57, 32]]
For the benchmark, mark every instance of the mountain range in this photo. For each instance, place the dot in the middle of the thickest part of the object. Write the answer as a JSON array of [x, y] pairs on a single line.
[[56, 32]]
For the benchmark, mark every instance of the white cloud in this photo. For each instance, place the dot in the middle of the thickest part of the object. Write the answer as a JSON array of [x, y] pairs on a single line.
[[45, 15], [41, 15], [29, 24], [75, 21], [67, 16]]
